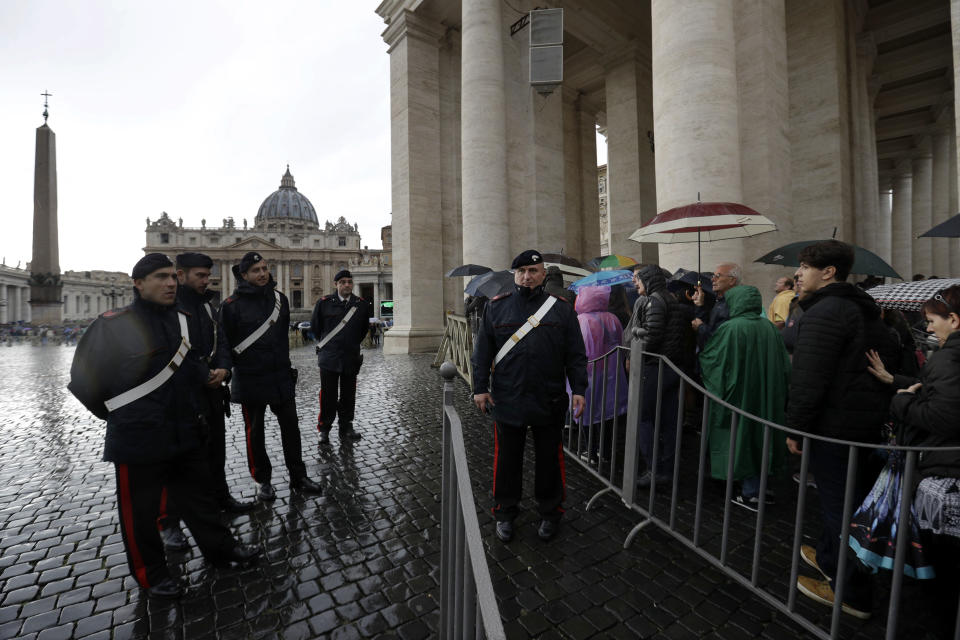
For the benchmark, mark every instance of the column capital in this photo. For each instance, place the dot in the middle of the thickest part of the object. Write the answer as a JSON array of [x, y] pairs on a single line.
[[408, 24]]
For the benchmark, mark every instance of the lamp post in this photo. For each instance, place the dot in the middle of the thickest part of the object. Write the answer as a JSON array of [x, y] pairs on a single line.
[[113, 292]]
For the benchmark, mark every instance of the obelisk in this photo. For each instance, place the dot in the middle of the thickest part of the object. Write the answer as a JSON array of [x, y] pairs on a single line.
[[46, 304]]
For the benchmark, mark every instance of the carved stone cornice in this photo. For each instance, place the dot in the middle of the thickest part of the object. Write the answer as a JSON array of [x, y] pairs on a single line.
[[408, 24]]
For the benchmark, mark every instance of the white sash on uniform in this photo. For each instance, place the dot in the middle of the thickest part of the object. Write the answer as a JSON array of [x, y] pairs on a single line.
[[532, 323], [336, 329], [156, 381], [262, 329]]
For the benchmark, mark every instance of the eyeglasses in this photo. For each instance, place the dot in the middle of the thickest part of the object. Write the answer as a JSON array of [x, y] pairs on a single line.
[[939, 298]]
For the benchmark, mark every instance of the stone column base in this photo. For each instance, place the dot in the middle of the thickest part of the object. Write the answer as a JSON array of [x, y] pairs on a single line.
[[412, 340], [50, 314]]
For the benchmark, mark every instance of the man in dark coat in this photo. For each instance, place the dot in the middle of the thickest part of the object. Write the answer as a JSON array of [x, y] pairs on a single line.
[[193, 277], [664, 329], [255, 320], [529, 346], [832, 394], [135, 368], [340, 322]]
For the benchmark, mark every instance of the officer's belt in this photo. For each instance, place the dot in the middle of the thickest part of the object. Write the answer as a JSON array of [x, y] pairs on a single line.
[[206, 305], [262, 329], [336, 329], [156, 381], [532, 323]]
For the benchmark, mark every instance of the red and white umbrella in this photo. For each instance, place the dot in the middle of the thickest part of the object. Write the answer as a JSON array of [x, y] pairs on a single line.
[[703, 222]]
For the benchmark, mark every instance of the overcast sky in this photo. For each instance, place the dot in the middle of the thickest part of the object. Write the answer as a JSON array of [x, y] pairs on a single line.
[[193, 108]]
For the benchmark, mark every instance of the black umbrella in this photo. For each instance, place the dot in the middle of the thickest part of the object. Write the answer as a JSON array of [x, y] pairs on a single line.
[[559, 258], [468, 270], [490, 284], [948, 229], [864, 262]]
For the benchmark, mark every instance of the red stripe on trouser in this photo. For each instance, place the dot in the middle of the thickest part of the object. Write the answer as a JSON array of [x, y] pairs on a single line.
[[162, 511], [247, 428], [320, 411], [126, 513], [496, 457], [563, 472]]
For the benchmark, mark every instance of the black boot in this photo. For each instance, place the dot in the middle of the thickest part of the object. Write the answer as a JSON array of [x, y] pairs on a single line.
[[232, 505], [324, 438], [168, 588], [305, 485], [173, 538]]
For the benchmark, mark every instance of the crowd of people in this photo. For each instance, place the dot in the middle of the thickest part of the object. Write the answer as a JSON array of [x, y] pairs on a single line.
[[823, 360]]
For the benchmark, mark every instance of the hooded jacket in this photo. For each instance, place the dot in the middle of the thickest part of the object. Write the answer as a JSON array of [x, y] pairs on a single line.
[[123, 349], [601, 331], [262, 373], [831, 391], [931, 416], [667, 325], [745, 364]]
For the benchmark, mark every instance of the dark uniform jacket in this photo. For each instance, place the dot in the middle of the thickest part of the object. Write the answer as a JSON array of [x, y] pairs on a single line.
[[667, 324], [123, 349], [831, 391], [202, 326], [528, 385], [262, 373], [342, 353], [931, 417]]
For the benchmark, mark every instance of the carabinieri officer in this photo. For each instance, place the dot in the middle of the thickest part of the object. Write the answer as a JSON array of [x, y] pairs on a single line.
[[529, 345], [255, 321], [135, 368], [340, 321]]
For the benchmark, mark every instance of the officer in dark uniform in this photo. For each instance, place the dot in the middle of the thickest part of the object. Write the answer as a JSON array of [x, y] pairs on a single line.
[[193, 275], [135, 368], [338, 355], [523, 385], [255, 321]]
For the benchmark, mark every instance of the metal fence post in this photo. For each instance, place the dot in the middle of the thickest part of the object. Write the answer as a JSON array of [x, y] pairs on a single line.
[[903, 532], [447, 476], [634, 400]]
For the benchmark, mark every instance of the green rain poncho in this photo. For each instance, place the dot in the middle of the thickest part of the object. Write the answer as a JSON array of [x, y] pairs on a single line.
[[746, 364]]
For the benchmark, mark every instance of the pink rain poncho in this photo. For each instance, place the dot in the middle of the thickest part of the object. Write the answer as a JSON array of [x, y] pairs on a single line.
[[602, 332]]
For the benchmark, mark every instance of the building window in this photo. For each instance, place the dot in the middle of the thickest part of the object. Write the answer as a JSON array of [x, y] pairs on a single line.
[[164, 238], [341, 241], [214, 239], [297, 270], [316, 271], [273, 240], [298, 299], [193, 240], [295, 242], [215, 271], [316, 242], [238, 239]]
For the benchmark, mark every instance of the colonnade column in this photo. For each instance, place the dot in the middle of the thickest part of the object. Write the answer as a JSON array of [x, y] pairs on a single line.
[[953, 195], [696, 120], [865, 203], [940, 206], [631, 177], [307, 285], [901, 225], [920, 211], [483, 122], [884, 221], [581, 200], [4, 305], [415, 177]]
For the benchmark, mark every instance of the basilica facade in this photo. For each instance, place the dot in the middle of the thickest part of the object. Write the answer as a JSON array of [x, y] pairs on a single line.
[[303, 255]]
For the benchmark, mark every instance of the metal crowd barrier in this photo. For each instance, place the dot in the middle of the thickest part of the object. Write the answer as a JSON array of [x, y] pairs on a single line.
[[580, 441], [468, 606]]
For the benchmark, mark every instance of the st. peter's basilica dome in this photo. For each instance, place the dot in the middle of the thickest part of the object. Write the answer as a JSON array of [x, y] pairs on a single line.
[[286, 204]]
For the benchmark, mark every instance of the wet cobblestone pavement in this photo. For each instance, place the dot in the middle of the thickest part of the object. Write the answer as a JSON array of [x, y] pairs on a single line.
[[360, 561]]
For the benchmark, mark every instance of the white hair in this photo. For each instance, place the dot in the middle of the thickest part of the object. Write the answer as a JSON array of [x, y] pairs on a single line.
[[735, 271]]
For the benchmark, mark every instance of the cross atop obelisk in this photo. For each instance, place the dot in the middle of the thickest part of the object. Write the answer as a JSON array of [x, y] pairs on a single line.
[[45, 113], [46, 304]]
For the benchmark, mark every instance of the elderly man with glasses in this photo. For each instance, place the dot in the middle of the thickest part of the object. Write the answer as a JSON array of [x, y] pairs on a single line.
[[725, 277]]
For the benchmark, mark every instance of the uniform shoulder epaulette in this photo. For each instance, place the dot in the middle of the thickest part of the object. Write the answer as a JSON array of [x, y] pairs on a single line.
[[502, 295], [559, 297], [185, 312], [229, 300], [325, 298], [113, 313]]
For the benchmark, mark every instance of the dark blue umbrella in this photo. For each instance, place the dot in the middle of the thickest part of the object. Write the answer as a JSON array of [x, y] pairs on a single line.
[[490, 284], [948, 229]]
